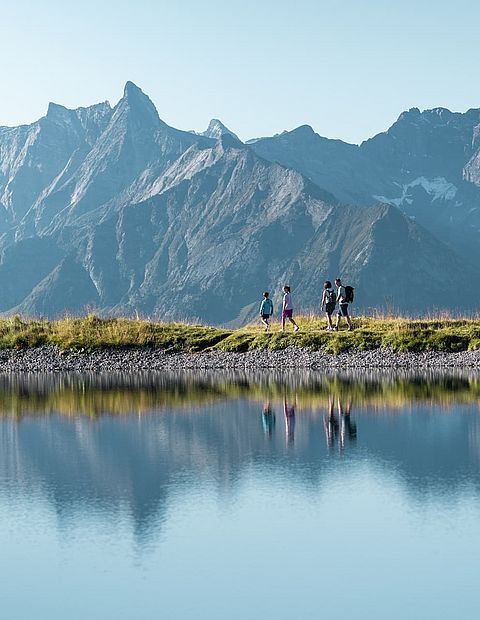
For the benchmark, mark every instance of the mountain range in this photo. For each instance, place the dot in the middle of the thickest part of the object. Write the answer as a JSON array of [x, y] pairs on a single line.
[[112, 209]]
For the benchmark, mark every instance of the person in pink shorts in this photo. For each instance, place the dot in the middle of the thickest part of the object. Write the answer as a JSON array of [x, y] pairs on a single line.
[[287, 309]]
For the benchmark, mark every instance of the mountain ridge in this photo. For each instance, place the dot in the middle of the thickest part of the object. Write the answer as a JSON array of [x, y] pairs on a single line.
[[151, 219]]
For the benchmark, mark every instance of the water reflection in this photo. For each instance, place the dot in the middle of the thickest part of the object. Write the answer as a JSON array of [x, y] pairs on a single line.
[[97, 394], [111, 441], [136, 450], [289, 415], [268, 419]]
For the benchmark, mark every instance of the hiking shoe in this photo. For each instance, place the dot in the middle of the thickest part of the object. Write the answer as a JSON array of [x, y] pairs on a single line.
[[296, 328], [350, 329]]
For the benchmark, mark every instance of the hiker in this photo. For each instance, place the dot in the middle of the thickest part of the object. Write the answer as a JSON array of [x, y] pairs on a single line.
[[344, 297], [266, 310], [287, 309], [329, 301]]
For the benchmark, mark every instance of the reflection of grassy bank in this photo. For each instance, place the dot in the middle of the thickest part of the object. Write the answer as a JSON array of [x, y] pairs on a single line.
[[92, 332], [94, 396]]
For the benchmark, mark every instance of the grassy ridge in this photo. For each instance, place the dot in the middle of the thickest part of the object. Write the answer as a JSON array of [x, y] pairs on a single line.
[[92, 332]]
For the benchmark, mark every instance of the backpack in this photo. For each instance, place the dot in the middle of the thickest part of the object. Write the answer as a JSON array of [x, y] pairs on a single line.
[[349, 294], [331, 296]]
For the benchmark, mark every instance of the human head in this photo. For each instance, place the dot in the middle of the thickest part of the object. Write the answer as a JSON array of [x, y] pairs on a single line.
[[286, 288], [266, 294], [338, 282], [327, 284]]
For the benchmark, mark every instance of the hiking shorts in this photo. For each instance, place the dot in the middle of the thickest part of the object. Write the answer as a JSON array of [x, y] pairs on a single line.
[[343, 310], [330, 307], [265, 316], [287, 314]]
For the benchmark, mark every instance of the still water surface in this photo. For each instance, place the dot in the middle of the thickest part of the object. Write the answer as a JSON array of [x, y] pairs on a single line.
[[217, 496]]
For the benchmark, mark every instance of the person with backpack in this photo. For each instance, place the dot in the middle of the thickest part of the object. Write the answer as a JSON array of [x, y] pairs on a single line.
[[266, 310], [329, 301], [344, 297]]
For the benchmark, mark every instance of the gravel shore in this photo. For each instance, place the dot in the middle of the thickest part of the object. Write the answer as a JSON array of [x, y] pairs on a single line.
[[50, 359]]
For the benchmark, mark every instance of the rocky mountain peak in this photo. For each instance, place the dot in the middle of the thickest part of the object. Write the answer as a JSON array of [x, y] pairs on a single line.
[[56, 111], [216, 129], [409, 115], [303, 130], [132, 90], [135, 103]]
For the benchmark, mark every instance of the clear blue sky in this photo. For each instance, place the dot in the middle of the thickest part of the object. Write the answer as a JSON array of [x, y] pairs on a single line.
[[347, 68]]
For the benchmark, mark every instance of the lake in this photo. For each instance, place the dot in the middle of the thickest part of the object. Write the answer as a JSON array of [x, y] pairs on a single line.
[[232, 496]]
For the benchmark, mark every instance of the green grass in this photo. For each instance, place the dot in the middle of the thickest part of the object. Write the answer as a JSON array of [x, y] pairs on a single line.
[[93, 332]]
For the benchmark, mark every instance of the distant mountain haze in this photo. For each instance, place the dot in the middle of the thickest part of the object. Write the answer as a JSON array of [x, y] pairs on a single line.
[[112, 209]]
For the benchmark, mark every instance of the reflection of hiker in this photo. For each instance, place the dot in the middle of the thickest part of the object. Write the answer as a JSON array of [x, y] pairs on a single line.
[[289, 412], [268, 419], [287, 309], [330, 424], [348, 429], [266, 310], [344, 297], [329, 301]]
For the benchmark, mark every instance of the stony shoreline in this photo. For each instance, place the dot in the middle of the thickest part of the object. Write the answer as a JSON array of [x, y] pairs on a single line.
[[51, 359]]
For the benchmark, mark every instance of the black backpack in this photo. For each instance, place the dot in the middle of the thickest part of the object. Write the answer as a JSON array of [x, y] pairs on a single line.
[[349, 294]]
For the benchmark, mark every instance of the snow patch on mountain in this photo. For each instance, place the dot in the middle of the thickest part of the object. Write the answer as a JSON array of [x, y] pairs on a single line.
[[438, 188]]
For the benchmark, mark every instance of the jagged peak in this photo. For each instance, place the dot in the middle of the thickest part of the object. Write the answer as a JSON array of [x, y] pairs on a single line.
[[409, 114], [55, 109], [131, 89], [136, 101], [100, 106], [216, 129]]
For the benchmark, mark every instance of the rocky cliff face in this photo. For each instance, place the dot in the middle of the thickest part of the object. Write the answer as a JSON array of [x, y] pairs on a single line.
[[427, 164], [114, 209]]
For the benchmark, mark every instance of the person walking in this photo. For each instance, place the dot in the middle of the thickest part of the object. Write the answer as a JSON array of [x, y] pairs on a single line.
[[329, 301], [287, 309], [266, 310], [342, 301]]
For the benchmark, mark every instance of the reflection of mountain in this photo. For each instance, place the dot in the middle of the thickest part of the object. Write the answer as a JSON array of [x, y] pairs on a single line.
[[137, 461]]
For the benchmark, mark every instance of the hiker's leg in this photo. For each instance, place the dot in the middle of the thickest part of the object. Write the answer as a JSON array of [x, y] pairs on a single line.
[[265, 322], [329, 320], [283, 323], [348, 319]]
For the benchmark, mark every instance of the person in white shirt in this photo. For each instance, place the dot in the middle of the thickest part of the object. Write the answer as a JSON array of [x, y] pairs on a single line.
[[287, 309], [342, 306]]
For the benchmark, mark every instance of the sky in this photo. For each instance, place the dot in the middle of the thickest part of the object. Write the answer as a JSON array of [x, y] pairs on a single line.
[[346, 68]]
